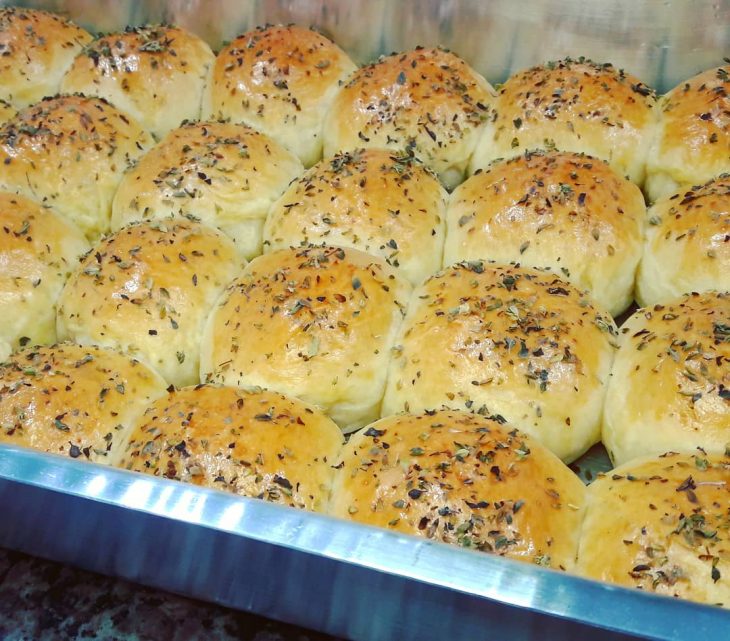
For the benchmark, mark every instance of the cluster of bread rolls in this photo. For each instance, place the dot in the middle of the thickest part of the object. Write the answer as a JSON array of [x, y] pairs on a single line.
[[466, 338]]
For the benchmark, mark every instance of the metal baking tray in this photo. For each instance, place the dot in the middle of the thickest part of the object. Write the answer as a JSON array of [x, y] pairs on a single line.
[[343, 578], [346, 579]]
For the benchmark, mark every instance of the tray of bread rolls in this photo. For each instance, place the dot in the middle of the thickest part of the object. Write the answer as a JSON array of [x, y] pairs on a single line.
[[388, 319]]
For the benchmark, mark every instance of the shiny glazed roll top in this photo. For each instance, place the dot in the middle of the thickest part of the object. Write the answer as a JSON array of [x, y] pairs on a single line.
[[280, 80], [147, 291], [316, 323], [38, 251], [36, 48], [70, 152], [561, 210], [464, 479], [692, 142], [252, 442], [687, 247], [7, 111], [382, 202], [224, 175], [73, 400], [670, 384], [428, 101], [661, 525], [155, 73], [505, 340], [572, 105]]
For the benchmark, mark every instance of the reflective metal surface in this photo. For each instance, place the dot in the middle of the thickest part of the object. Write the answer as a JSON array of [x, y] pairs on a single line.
[[338, 577], [661, 41]]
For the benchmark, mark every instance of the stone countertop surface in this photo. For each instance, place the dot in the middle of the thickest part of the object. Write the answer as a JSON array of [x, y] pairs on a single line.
[[45, 601]]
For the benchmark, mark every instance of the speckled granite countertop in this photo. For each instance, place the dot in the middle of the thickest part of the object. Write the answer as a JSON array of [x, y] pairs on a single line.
[[44, 601]]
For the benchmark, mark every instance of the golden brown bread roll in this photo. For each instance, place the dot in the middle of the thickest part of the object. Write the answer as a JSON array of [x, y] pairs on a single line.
[[147, 291], [157, 74], [36, 48], [73, 400], [280, 80], [692, 141], [506, 340], [252, 442], [565, 211], [572, 105], [314, 323], [70, 152], [463, 479], [670, 383], [687, 245], [38, 251], [225, 175], [382, 202], [428, 101], [660, 525]]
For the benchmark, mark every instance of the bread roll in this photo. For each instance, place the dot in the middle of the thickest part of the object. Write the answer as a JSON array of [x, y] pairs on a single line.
[[280, 80], [692, 141], [225, 175], [572, 105], [670, 384], [464, 479], [73, 400], [428, 101], [251, 442], [660, 525], [561, 210], [147, 290], [687, 246], [313, 323], [38, 251], [157, 74], [381, 202], [70, 152], [36, 48], [506, 340]]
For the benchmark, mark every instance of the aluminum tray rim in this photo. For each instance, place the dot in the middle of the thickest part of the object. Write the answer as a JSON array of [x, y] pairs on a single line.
[[505, 583]]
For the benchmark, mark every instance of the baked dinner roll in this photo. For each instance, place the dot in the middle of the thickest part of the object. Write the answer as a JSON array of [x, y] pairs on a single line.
[[692, 141], [572, 105], [427, 100], [157, 74], [687, 246], [73, 400], [36, 48], [561, 210], [316, 323], [252, 442], [506, 340], [382, 202], [670, 384], [70, 152], [660, 525], [147, 290], [38, 251], [280, 80], [225, 175], [464, 479]]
